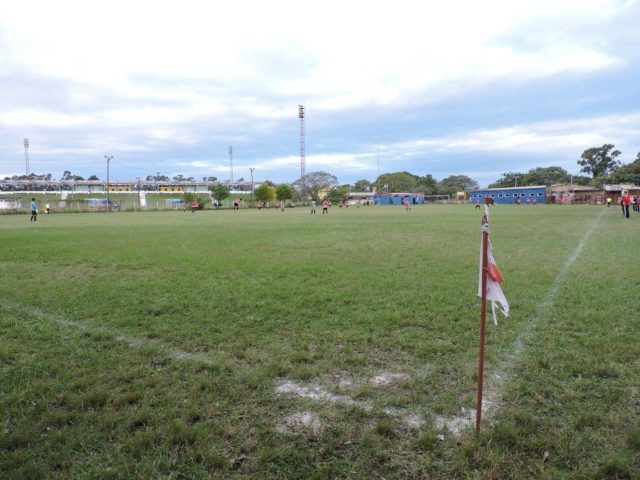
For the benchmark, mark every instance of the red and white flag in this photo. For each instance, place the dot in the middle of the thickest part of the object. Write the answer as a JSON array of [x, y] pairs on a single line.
[[494, 279]]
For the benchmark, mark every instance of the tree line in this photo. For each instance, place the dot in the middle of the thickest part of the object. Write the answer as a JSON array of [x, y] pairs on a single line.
[[600, 164]]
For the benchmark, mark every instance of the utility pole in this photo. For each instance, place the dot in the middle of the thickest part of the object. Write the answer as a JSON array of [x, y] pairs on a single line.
[[26, 155], [253, 185], [303, 158], [108, 157], [231, 167]]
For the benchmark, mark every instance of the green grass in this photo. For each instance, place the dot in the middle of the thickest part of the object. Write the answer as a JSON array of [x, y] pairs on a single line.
[[147, 345]]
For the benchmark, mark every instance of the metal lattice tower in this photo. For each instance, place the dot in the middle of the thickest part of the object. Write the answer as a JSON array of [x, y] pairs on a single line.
[[26, 155], [231, 166], [303, 160]]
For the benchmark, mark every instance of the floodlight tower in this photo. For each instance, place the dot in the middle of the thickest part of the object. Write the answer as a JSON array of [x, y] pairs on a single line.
[[108, 158], [303, 160], [26, 155], [231, 166]]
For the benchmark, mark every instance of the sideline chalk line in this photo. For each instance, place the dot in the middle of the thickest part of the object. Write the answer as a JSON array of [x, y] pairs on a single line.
[[129, 340]]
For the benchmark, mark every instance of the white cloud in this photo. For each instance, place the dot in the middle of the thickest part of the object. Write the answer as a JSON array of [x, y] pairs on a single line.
[[560, 136], [156, 76], [34, 117], [336, 54]]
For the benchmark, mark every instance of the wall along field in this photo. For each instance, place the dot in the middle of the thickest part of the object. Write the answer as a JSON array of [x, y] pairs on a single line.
[[284, 345]]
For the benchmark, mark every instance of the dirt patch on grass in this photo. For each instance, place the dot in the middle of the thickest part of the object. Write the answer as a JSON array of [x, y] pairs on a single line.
[[301, 422], [342, 380], [456, 423], [412, 420], [387, 378], [313, 392]]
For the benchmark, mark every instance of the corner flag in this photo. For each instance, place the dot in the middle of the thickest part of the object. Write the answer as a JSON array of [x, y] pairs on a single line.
[[490, 279], [494, 279]]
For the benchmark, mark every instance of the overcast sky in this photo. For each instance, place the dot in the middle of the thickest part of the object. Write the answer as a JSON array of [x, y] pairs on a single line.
[[441, 88]]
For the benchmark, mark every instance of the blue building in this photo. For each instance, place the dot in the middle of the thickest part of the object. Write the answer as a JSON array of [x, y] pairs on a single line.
[[396, 198], [511, 194]]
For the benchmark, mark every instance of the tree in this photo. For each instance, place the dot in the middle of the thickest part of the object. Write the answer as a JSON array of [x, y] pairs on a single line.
[[67, 176], [158, 178], [599, 161], [219, 191], [284, 191], [546, 176], [32, 176], [93, 177], [398, 182], [428, 185], [509, 179], [265, 192], [456, 183], [314, 183], [339, 193], [535, 176], [190, 197], [362, 186], [629, 173]]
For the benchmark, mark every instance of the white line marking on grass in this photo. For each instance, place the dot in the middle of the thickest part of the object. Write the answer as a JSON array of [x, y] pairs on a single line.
[[315, 392], [494, 385], [319, 394], [131, 341]]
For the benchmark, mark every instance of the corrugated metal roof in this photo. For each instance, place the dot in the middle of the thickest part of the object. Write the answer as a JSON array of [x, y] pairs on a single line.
[[508, 188]]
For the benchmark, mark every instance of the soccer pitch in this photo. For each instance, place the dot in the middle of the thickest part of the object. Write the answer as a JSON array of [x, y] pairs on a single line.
[[284, 345]]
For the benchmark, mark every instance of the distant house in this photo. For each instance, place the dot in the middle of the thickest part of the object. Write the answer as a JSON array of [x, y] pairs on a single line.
[[614, 192], [510, 194], [396, 198], [570, 193]]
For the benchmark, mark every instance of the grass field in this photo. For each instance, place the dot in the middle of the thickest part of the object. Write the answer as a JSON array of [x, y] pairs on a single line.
[[281, 345]]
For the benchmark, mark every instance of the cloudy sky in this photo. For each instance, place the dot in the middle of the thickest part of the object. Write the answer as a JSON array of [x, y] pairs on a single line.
[[456, 87]]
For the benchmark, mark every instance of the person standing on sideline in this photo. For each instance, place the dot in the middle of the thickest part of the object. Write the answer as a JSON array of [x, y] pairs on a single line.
[[626, 200], [325, 206], [46, 208], [34, 210], [608, 202], [194, 206], [259, 205], [282, 205], [478, 204], [313, 207]]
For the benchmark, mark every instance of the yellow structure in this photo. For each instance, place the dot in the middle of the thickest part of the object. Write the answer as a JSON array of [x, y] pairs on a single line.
[[119, 188]]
